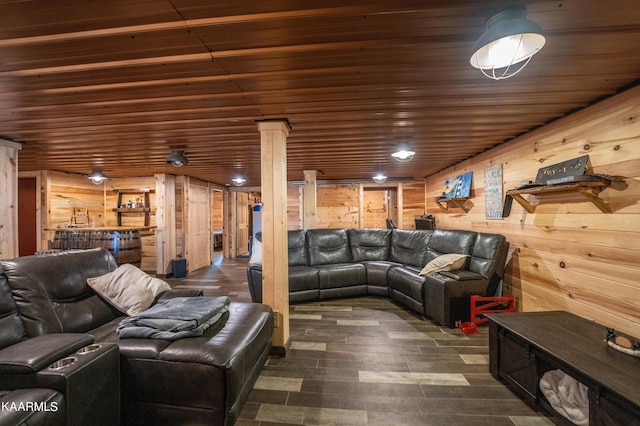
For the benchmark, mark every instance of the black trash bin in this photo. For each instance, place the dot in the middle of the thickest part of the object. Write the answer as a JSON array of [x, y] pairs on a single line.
[[179, 268]]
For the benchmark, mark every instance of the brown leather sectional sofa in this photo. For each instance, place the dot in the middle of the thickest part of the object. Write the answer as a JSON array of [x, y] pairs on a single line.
[[331, 263], [48, 315]]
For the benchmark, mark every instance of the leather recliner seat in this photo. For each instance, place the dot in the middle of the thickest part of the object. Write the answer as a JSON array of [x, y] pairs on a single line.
[[191, 381]]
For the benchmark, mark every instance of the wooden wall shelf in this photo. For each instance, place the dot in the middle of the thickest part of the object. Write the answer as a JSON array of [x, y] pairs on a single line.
[[132, 210], [590, 190], [128, 210], [444, 203]]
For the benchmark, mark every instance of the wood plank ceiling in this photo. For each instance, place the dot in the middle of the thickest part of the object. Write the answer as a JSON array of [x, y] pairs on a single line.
[[117, 85]]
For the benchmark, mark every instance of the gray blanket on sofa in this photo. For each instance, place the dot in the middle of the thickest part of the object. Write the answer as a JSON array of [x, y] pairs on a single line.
[[175, 318]]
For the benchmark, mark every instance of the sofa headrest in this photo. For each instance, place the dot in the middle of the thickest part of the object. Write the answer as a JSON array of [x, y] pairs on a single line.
[[51, 291], [445, 241], [328, 246], [489, 254], [11, 328], [369, 244], [409, 247], [297, 248]]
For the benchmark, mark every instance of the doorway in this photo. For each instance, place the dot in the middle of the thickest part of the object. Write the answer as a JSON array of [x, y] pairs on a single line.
[[242, 223], [217, 223], [27, 216], [379, 204]]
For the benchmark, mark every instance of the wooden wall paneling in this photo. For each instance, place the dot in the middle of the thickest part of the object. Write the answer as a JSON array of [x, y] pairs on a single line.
[[218, 214], [217, 217], [375, 208], [361, 207], [568, 254], [186, 222], [233, 220], [393, 204], [149, 253], [570, 242], [254, 198], [338, 206], [166, 223], [344, 206], [413, 203], [400, 197], [537, 266], [392, 200], [310, 199], [295, 196], [130, 219], [69, 190], [206, 233], [150, 246], [64, 191], [242, 223], [9, 198], [228, 200], [181, 211]]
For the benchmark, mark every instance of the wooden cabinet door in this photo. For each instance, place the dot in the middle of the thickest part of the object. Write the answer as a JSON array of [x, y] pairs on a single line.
[[518, 366], [606, 409], [198, 238]]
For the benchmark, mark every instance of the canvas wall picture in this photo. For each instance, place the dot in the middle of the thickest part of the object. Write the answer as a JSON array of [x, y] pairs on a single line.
[[458, 186]]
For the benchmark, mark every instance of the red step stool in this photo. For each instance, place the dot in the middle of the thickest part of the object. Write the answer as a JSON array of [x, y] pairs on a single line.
[[488, 305]]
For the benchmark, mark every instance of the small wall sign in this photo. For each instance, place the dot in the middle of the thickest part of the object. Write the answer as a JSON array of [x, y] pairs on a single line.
[[493, 192]]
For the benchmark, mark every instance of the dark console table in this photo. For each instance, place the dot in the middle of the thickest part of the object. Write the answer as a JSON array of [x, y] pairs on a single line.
[[525, 345]]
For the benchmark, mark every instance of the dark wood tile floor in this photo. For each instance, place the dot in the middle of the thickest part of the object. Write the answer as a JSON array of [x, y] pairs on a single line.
[[367, 361]]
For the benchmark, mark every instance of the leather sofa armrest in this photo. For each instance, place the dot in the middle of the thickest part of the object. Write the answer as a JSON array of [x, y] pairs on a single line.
[[180, 292], [32, 355], [461, 275]]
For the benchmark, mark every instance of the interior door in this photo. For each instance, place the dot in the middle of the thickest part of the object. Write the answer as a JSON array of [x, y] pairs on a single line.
[[217, 219], [199, 237], [242, 225], [27, 217]]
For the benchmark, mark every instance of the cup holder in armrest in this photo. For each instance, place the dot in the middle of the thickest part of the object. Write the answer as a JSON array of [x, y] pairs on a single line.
[[62, 363], [88, 349]]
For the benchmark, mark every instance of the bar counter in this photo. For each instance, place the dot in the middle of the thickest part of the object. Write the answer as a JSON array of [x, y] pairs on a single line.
[[123, 242]]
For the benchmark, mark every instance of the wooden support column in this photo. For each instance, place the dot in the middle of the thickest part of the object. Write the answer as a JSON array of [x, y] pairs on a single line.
[[310, 199], [166, 222], [275, 269], [227, 225], [9, 199]]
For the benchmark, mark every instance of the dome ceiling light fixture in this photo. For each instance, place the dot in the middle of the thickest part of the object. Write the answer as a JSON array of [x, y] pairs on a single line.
[[177, 159], [507, 45], [238, 181], [380, 178], [97, 177], [404, 152]]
